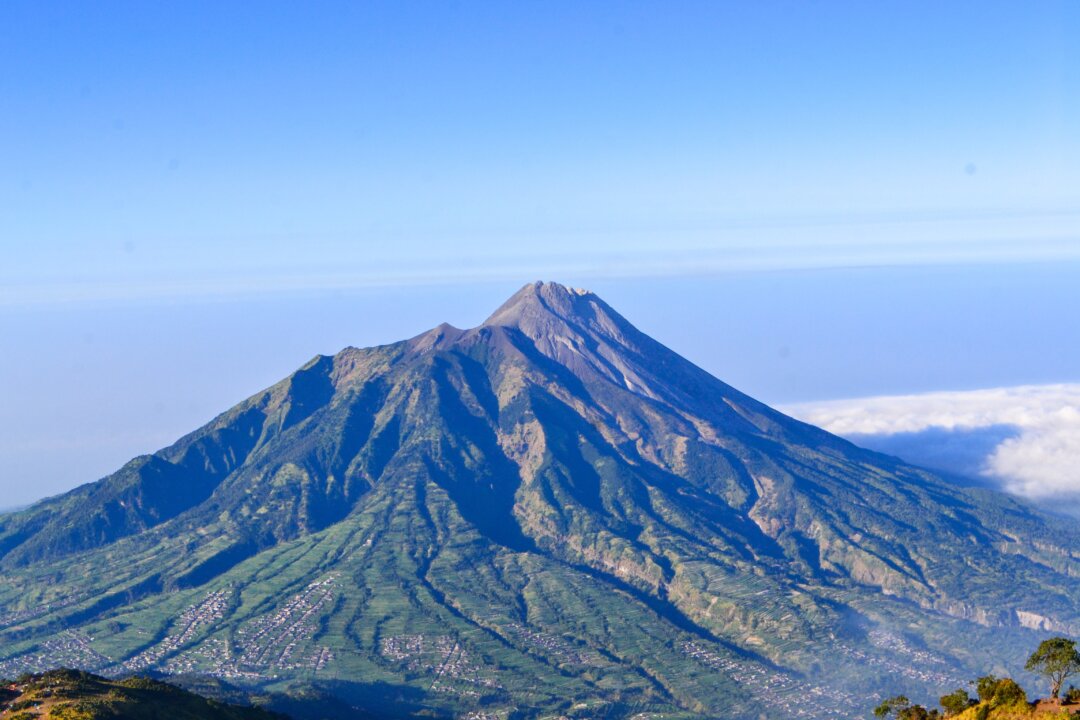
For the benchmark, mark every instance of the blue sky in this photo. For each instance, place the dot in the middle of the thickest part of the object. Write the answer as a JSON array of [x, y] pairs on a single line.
[[862, 198]]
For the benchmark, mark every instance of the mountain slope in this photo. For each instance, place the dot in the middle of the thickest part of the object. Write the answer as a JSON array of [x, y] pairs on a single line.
[[547, 510]]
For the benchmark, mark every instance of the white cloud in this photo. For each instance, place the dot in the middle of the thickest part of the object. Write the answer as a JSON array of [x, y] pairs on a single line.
[[1040, 460]]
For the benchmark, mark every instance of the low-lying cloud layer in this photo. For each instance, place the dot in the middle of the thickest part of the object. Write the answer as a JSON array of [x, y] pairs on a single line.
[[1025, 439]]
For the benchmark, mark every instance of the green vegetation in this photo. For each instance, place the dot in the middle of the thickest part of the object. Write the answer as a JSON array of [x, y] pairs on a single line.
[[549, 515], [1002, 698], [1056, 659], [956, 702], [999, 691], [76, 695]]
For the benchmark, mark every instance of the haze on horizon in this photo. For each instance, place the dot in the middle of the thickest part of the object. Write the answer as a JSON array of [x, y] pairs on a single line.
[[811, 201]]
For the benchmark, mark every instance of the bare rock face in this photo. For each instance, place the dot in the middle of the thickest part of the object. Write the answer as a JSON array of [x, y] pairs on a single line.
[[546, 511]]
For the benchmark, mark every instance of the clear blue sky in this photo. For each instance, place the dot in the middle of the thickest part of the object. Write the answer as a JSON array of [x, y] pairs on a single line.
[[194, 198]]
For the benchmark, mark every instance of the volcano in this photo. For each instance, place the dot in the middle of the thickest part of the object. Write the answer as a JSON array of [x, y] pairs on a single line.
[[549, 514]]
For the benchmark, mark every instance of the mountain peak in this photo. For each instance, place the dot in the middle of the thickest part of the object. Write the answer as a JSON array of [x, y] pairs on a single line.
[[541, 298], [546, 310]]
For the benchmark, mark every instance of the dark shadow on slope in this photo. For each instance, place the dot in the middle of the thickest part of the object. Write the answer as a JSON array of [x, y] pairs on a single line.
[[8, 542], [214, 566], [484, 491], [356, 701], [358, 425], [221, 450], [326, 448], [479, 383], [382, 448], [562, 426], [310, 388], [150, 586], [325, 700]]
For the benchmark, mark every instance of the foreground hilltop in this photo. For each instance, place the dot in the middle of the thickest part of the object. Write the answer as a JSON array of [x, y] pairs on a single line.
[[74, 695], [548, 513]]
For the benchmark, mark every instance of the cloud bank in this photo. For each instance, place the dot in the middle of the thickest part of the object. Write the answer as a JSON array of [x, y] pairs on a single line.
[[1025, 439]]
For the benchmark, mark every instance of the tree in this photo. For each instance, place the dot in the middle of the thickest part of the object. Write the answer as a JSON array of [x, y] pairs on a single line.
[[985, 687], [1007, 692], [1056, 659], [892, 705], [918, 712], [903, 709], [999, 691], [956, 702]]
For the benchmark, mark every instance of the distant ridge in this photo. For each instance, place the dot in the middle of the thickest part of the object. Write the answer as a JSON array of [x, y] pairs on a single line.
[[548, 514]]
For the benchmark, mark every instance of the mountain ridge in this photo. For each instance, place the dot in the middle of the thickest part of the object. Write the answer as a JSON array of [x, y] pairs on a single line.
[[550, 485]]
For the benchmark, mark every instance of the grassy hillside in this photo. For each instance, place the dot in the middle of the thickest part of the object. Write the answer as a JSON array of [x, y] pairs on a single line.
[[76, 695], [1018, 711]]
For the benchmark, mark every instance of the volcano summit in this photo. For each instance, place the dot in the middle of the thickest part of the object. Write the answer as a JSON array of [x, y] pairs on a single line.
[[547, 514]]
